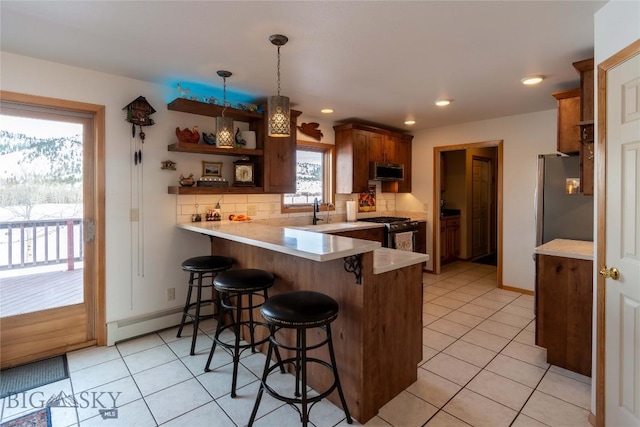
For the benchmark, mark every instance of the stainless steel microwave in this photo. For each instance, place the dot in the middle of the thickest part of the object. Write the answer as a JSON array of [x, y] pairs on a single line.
[[379, 171]]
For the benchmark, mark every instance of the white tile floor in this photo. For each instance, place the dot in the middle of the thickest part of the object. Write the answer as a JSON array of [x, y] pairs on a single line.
[[480, 368]]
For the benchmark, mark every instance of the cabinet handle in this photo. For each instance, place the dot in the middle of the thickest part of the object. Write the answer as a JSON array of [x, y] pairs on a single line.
[[610, 273]]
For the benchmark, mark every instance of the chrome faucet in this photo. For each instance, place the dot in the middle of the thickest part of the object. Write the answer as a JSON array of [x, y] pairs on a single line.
[[316, 209]]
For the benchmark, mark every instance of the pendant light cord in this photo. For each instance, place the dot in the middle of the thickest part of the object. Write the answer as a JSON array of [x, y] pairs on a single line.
[[278, 70], [224, 95]]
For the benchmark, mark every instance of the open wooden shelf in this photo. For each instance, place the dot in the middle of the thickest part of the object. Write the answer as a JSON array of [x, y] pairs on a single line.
[[212, 110], [214, 190], [186, 147]]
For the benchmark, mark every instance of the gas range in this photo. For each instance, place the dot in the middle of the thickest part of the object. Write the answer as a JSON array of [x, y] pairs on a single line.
[[393, 223]]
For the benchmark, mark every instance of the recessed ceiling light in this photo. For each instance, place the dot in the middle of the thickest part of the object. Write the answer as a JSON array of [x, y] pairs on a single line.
[[532, 80], [410, 122], [326, 111], [443, 102]]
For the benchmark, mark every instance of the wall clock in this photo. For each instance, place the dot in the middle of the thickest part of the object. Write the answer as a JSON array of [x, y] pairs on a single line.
[[244, 173]]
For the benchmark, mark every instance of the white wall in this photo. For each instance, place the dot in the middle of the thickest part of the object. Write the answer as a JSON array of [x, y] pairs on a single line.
[[617, 25], [165, 247], [525, 136]]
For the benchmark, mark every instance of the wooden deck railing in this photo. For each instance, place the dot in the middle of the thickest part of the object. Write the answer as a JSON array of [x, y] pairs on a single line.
[[25, 244]]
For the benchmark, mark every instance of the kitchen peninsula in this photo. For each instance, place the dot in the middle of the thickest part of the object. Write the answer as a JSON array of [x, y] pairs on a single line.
[[378, 332]]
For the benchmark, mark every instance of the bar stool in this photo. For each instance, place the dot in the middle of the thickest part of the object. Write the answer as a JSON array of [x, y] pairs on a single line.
[[300, 310], [232, 287], [204, 267]]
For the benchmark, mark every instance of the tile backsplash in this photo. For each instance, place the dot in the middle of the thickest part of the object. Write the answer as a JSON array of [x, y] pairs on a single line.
[[268, 206]]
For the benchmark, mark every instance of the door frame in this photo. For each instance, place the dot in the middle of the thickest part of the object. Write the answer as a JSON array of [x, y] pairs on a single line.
[[437, 151], [97, 328], [603, 68]]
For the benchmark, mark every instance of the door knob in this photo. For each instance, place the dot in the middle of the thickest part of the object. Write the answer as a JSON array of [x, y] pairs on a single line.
[[610, 273]]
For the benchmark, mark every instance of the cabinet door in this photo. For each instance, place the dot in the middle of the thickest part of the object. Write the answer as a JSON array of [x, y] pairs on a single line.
[[376, 146], [390, 147], [373, 234], [403, 156], [421, 238], [361, 150], [280, 161], [443, 240], [568, 118], [564, 302]]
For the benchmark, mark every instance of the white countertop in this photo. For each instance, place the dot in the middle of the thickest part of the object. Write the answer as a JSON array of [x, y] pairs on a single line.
[[578, 249], [336, 227], [314, 245]]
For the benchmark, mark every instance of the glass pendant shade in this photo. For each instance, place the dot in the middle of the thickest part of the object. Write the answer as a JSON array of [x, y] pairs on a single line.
[[279, 116], [224, 132]]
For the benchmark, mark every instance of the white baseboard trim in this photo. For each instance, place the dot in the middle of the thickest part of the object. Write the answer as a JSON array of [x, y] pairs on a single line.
[[124, 329]]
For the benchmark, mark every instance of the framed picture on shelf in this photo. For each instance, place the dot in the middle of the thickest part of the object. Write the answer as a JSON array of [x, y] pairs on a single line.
[[211, 168]]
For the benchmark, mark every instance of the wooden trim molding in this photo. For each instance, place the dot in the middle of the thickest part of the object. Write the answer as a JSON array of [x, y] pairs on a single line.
[[601, 167], [435, 220], [99, 123], [520, 290]]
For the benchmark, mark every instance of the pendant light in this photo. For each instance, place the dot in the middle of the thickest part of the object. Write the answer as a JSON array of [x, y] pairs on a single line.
[[278, 106], [224, 125]]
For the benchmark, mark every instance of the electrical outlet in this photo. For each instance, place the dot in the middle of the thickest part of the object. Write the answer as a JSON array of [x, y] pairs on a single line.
[[171, 294], [134, 214], [252, 210]]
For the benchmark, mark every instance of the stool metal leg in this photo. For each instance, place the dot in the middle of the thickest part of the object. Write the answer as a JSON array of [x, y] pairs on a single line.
[[297, 365], [186, 306], [196, 319], [265, 373], [236, 350], [219, 325], [303, 351]]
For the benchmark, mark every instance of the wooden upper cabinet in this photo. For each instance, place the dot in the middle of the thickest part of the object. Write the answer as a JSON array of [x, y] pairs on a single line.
[[586, 124], [357, 145], [568, 118], [352, 154], [280, 159]]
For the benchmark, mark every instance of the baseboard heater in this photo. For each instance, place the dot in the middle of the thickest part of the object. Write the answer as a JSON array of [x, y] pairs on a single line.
[[125, 329]]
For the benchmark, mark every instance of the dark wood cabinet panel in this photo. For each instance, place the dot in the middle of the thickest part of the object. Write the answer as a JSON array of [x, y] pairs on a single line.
[[585, 68], [280, 161], [449, 239], [374, 234], [564, 303], [568, 118]]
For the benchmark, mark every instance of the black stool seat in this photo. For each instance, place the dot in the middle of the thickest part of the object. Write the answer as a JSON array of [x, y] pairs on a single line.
[[244, 280], [300, 308], [208, 263], [199, 268], [236, 290]]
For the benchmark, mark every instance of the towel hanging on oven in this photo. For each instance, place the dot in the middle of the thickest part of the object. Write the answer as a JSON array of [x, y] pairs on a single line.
[[404, 241]]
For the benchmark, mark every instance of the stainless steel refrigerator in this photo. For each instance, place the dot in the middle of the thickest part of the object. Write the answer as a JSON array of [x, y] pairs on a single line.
[[560, 215]]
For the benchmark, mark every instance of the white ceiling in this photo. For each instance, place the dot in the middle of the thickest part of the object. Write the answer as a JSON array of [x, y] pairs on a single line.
[[378, 61]]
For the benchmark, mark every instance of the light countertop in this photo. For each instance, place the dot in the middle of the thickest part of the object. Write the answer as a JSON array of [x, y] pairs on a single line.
[[314, 245], [578, 249], [335, 227]]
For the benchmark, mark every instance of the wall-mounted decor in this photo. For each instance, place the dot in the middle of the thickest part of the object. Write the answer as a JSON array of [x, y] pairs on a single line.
[[211, 168], [168, 165], [311, 129], [367, 200]]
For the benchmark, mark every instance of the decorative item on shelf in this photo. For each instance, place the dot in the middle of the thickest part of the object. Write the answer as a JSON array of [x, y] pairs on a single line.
[[224, 125], [210, 100], [209, 138], [211, 168], [244, 172], [196, 217], [240, 142], [187, 135], [168, 165], [278, 110], [210, 181], [250, 138], [311, 129], [184, 93], [188, 181], [252, 108]]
